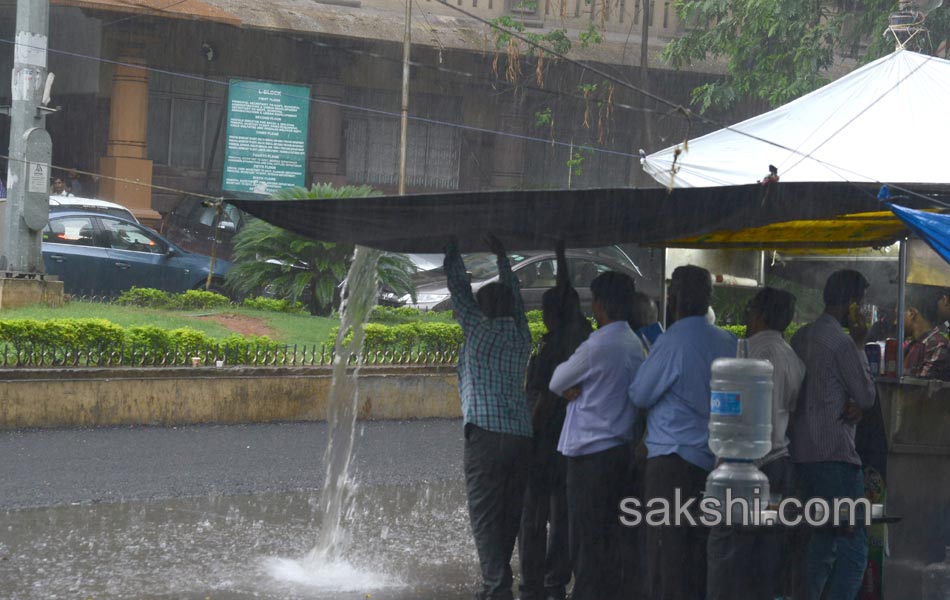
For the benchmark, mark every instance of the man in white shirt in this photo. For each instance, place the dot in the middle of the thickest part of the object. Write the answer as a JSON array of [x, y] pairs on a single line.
[[749, 564], [58, 188], [598, 429]]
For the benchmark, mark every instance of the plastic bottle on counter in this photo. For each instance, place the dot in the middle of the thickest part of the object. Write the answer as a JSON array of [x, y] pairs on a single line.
[[891, 353], [873, 352]]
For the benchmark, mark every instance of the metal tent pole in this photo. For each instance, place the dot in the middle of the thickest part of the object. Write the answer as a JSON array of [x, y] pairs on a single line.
[[901, 288]]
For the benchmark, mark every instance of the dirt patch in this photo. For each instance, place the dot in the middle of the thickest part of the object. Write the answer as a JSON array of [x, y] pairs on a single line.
[[242, 325]]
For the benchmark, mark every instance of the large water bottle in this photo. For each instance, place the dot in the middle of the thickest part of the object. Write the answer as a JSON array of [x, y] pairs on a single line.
[[740, 408], [937, 579]]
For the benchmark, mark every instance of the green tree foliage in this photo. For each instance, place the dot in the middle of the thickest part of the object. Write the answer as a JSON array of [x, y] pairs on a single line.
[[297, 268], [779, 50]]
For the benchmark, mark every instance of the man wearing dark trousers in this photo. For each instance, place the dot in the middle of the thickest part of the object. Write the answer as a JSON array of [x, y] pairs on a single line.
[[596, 436], [838, 387], [543, 541], [491, 371], [673, 386]]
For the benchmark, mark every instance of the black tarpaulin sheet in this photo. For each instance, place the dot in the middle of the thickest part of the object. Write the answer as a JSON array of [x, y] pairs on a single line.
[[583, 218]]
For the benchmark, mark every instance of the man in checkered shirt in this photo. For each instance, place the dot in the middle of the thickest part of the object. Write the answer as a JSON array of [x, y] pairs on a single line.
[[498, 430]]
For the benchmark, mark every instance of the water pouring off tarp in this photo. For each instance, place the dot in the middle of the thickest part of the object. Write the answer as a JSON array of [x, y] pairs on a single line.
[[359, 298], [325, 565]]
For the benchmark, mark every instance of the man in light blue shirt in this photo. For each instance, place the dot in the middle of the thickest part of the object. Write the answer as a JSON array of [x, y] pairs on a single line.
[[596, 435], [673, 386]]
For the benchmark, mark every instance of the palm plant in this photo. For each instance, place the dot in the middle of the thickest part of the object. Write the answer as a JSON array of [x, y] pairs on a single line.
[[297, 268]]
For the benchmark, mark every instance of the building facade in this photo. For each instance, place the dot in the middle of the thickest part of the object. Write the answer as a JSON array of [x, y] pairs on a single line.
[[143, 92]]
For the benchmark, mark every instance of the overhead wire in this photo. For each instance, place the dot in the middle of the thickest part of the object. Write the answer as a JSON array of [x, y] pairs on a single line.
[[432, 30], [420, 65], [159, 10], [314, 99], [494, 81], [119, 179]]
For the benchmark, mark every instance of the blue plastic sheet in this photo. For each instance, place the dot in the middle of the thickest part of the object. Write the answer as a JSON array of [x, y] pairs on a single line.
[[933, 228]]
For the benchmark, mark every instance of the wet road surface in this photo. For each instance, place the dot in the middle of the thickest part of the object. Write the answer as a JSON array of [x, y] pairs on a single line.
[[230, 512], [63, 466]]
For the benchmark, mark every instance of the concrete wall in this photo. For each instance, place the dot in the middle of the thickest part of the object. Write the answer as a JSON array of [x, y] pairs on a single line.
[[178, 396]]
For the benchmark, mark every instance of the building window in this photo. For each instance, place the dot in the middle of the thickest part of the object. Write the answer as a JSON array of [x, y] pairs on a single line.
[[372, 140], [183, 118]]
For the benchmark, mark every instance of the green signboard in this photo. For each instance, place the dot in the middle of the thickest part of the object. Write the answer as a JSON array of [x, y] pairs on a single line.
[[266, 146]]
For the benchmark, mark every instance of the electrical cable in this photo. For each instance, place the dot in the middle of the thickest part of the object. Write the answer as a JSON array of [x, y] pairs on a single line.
[[389, 58], [157, 10], [121, 180], [431, 28], [313, 99]]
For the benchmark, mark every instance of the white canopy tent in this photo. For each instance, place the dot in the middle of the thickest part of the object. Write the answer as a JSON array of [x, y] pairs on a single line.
[[885, 122]]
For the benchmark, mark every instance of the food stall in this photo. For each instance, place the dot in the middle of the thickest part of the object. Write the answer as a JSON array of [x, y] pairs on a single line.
[[857, 129]]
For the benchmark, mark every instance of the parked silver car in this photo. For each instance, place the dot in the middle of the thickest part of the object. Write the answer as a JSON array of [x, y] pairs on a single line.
[[61, 203], [537, 272]]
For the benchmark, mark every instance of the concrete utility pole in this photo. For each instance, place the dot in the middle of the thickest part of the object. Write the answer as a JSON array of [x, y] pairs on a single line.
[[404, 121], [25, 211]]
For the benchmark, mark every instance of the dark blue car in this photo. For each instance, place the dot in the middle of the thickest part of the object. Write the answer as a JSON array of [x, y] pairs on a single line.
[[94, 253]]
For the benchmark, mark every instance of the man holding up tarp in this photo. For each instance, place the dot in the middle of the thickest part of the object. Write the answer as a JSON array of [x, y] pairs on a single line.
[[544, 551], [498, 432]]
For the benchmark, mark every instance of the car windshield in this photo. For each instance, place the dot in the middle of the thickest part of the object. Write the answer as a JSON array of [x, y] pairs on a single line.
[[482, 265], [614, 253]]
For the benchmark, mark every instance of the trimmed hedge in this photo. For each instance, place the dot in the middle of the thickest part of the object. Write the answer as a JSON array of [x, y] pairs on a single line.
[[78, 334], [61, 332], [189, 300], [408, 336], [439, 336], [200, 299], [736, 330], [739, 330], [145, 297], [61, 335], [391, 315], [419, 336], [273, 305]]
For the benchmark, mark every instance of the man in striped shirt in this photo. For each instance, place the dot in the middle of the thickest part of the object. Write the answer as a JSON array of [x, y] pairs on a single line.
[[498, 431], [837, 387]]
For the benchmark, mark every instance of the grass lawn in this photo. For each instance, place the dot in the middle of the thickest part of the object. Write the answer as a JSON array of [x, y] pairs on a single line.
[[218, 323], [293, 328]]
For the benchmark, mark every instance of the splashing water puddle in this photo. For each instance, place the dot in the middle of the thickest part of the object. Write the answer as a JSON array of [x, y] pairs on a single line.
[[331, 575], [236, 548]]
